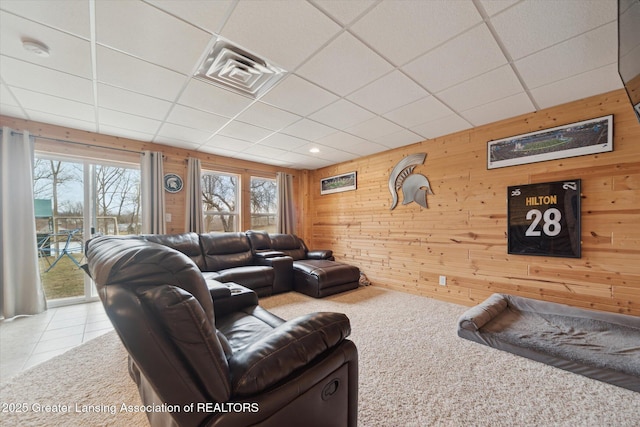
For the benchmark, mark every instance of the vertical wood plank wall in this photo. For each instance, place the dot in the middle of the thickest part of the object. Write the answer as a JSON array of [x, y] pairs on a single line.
[[462, 235]]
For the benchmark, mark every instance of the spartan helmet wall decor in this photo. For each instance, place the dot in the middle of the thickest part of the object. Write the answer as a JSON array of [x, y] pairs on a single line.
[[414, 187]]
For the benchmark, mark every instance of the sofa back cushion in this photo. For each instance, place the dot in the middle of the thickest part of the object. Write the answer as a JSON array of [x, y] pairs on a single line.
[[259, 240], [288, 244], [187, 243], [225, 250]]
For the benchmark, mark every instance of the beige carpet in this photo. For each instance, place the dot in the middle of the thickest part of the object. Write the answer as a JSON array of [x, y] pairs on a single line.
[[414, 371]]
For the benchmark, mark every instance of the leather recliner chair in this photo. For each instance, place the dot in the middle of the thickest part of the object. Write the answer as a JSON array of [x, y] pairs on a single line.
[[242, 367]]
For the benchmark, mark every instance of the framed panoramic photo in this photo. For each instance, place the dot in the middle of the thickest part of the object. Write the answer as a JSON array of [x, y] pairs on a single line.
[[338, 183], [577, 139], [544, 219]]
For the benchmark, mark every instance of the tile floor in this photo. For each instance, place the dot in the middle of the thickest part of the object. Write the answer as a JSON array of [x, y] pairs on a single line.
[[29, 340]]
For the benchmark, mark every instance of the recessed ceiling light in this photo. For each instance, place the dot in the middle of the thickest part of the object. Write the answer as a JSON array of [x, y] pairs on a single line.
[[314, 150], [36, 47]]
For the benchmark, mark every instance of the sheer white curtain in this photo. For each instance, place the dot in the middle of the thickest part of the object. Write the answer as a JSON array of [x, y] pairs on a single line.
[[194, 216], [285, 219], [21, 288], [152, 189]]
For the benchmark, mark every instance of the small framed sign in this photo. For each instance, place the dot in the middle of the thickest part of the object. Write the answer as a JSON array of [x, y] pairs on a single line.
[[544, 219]]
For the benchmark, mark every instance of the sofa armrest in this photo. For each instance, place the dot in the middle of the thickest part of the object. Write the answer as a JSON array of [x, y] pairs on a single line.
[[268, 254], [218, 290], [320, 254], [285, 349]]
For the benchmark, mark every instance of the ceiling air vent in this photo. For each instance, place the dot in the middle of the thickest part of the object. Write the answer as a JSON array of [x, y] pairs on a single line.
[[233, 68]]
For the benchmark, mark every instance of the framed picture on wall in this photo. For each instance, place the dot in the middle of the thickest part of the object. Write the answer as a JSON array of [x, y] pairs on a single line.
[[576, 139], [338, 183], [544, 219]]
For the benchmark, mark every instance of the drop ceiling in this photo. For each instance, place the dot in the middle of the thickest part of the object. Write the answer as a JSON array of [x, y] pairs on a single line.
[[362, 76]]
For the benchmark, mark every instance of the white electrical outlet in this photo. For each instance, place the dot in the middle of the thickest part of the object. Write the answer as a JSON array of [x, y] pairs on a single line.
[[443, 281]]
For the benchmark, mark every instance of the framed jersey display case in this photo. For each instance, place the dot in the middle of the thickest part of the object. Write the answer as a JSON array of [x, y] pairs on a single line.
[[544, 219]]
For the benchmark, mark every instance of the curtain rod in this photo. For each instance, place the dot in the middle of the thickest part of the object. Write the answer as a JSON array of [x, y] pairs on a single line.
[[79, 143]]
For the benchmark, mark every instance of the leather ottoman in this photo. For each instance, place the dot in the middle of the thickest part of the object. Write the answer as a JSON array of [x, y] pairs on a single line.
[[320, 277]]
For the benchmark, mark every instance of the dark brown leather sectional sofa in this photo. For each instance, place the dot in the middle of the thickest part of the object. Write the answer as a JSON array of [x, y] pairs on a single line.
[[204, 353], [266, 263]]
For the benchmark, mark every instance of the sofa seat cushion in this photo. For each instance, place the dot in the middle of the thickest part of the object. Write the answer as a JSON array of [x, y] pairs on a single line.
[[324, 273], [283, 350], [245, 326]]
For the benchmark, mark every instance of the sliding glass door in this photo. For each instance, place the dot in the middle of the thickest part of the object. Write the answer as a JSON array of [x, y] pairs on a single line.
[[76, 200]]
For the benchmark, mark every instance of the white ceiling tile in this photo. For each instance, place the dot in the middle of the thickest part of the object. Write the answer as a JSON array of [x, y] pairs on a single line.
[[345, 11], [145, 32], [418, 112], [12, 110], [577, 55], [67, 53], [125, 133], [403, 31], [128, 121], [374, 127], [581, 86], [297, 94], [283, 142], [207, 97], [283, 32], [40, 79], [531, 26], [67, 15], [342, 141], [344, 65], [493, 7], [388, 93], [266, 116], [342, 114], [468, 55], [209, 15], [488, 87], [266, 151], [442, 126], [6, 97], [365, 148], [497, 110], [183, 133], [308, 129], [323, 152], [196, 119], [216, 150], [61, 106], [398, 139], [245, 131], [73, 123], [251, 157], [118, 69], [302, 161], [126, 101], [227, 143], [172, 142]]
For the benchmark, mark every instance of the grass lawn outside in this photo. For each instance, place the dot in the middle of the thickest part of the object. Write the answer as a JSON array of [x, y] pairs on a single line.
[[64, 280]]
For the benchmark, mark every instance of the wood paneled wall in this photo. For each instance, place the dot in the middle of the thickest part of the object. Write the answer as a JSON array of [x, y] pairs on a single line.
[[83, 144], [462, 235]]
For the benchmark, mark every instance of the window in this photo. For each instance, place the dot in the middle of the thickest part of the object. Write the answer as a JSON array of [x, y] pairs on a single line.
[[264, 204], [220, 201]]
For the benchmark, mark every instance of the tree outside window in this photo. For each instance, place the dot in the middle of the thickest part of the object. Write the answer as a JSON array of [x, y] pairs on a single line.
[[264, 204], [220, 201]]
